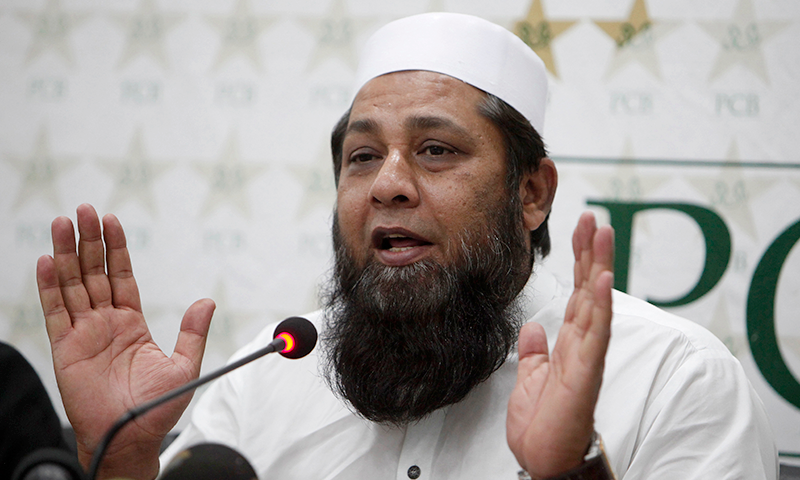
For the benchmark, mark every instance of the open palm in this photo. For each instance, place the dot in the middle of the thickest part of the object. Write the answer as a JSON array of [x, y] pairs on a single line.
[[104, 356]]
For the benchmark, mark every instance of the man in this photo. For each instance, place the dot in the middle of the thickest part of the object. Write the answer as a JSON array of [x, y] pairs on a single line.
[[443, 195]]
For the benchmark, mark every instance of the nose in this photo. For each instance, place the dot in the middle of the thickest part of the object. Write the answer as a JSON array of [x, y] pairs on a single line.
[[395, 183]]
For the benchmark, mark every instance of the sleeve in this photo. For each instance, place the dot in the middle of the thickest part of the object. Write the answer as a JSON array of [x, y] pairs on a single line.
[[707, 422]]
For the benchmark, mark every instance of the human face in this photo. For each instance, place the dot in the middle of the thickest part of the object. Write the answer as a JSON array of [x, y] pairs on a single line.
[[419, 163]]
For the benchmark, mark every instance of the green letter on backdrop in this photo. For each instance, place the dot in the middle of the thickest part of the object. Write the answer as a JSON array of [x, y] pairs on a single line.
[[761, 317], [715, 233]]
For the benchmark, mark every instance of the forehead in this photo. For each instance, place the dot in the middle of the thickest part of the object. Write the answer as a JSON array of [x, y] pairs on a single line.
[[418, 92]]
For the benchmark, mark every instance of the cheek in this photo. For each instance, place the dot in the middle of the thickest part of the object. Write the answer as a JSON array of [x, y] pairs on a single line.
[[470, 207], [464, 196], [456, 206], [351, 216]]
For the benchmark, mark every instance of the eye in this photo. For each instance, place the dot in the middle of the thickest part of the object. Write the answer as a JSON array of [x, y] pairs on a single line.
[[436, 150], [360, 156]]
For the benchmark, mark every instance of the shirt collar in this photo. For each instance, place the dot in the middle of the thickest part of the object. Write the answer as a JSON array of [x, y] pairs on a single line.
[[542, 288]]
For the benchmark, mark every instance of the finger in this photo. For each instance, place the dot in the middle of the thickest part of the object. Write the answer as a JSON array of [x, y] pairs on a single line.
[[67, 267], [92, 257], [582, 240], [602, 314], [532, 348], [124, 291], [600, 249], [595, 343], [194, 331], [582, 249], [603, 249], [56, 317]]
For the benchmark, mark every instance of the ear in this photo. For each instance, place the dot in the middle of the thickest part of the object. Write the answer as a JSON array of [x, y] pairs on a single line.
[[537, 190]]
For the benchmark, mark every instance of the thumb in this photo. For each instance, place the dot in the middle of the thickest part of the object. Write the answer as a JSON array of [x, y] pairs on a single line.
[[194, 331]]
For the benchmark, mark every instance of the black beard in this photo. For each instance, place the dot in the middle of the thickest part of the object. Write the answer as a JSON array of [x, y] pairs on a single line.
[[401, 342]]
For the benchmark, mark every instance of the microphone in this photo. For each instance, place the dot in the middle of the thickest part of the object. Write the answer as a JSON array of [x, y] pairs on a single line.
[[293, 338], [209, 461], [205, 461], [300, 337], [49, 464]]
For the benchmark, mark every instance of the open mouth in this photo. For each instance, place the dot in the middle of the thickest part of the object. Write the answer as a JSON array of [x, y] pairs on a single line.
[[397, 241], [400, 243]]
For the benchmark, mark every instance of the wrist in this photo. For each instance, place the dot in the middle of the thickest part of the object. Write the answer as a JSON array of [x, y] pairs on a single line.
[[134, 461], [595, 465]]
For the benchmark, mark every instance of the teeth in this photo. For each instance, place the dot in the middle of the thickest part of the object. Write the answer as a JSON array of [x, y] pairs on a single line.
[[392, 236]]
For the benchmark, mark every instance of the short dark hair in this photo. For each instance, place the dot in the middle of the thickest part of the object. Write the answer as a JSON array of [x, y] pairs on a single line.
[[525, 150]]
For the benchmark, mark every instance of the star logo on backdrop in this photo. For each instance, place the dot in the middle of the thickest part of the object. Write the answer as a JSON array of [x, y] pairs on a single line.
[[239, 34], [317, 181], [731, 190], [635, 39], [742, 39], [40, 171], [146, 31], [336, 34], [25, 317], [228, 179], [134, 176], [538, 33], [226, 318], [626, 182], [50, 30]]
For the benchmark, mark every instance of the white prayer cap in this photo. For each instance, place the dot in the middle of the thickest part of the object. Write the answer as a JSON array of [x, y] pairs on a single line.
[[471, 49]]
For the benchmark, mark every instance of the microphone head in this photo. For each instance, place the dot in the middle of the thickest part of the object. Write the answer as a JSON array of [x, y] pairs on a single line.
[[299, 334], [209, 461], [49, 464]]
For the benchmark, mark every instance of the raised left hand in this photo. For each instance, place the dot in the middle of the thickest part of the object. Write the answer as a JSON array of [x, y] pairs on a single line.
[[551, 409]]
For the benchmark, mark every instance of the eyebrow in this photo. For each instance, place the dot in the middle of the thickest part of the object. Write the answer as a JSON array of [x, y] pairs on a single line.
[[417, 122], [366, 125], [434, 122]]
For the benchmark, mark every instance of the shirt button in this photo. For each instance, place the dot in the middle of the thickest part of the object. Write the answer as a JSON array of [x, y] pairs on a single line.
[[414, 472]]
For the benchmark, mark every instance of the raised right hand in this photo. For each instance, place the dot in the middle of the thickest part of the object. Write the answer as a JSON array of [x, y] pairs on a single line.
[[105, 359]]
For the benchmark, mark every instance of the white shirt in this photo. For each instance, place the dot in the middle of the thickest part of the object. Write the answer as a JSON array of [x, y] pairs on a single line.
[[674, 404]]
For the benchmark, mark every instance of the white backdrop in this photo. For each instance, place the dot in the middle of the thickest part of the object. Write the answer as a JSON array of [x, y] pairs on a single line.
[[203, 124]]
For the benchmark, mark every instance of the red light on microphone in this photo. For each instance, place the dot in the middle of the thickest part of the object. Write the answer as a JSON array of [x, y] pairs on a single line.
[[299, 336], [288, 340]]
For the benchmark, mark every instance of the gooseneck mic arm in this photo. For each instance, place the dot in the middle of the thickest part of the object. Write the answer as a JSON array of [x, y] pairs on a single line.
[[276, 345], [294, 337]]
